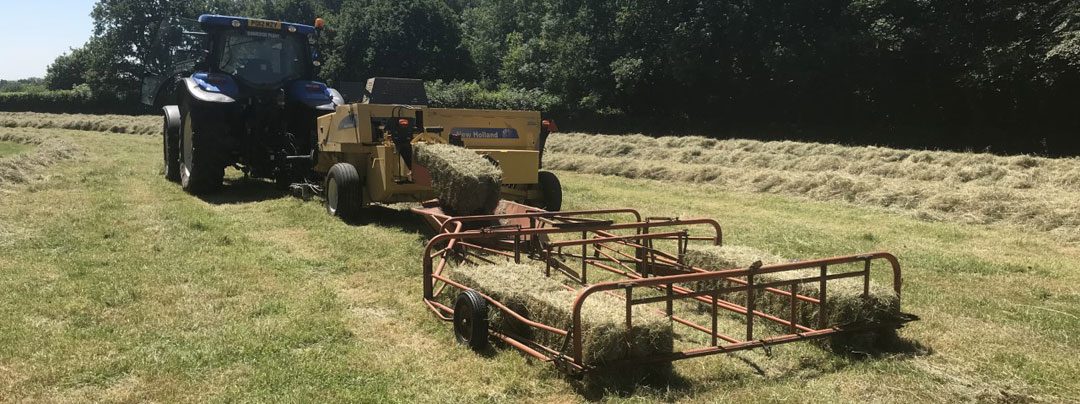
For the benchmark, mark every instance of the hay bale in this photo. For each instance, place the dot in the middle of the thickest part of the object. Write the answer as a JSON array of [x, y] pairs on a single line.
[[526, 290], [465, 182], [845, 304]]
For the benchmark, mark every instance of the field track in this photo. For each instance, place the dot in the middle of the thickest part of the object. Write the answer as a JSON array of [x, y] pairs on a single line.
[[120, 287]]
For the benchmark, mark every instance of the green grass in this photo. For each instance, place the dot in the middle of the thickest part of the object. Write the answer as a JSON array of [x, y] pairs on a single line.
[[12, 148], [117, 286]]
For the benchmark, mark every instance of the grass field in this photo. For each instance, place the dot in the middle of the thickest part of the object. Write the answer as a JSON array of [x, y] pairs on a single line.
[[120, 287], [12, 148]]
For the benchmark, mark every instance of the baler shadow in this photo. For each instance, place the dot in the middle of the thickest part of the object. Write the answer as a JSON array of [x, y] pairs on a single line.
[[241, 190], [401, 219]]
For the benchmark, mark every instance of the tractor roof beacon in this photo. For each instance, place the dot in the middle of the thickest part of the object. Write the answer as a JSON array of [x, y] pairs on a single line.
[[237, 92]]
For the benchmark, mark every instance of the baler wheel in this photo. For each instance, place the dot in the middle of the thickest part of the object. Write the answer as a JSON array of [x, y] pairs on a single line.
[[471, 321], [343, 197], [551, 191]]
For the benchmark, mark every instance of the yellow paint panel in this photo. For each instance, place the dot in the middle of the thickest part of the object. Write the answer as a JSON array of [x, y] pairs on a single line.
[[518, 166]]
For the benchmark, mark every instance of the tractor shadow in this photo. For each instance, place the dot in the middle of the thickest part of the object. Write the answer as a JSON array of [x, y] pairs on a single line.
[[245, 190]]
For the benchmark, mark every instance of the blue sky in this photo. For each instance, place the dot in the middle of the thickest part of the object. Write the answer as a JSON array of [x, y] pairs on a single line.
[[34, 32]]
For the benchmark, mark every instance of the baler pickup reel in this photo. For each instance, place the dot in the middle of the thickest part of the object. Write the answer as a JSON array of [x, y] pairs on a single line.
[[614, 261]]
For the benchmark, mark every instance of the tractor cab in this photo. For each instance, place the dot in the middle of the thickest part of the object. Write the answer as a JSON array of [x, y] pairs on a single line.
[[259, 54], [238, 57]]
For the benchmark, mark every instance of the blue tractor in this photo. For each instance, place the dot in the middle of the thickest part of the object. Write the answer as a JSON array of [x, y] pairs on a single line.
[[238, 92]]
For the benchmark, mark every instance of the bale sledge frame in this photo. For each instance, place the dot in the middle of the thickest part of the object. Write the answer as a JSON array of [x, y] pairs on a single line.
[[643, 260]]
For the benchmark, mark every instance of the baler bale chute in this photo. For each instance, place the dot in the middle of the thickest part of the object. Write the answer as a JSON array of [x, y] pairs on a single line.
[[638, 269]]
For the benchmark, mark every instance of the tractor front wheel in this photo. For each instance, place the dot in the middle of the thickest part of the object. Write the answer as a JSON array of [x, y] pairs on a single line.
[[343, 192], [201, 169]]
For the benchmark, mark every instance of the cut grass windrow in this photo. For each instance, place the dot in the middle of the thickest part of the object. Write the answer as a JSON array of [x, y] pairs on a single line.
[[1030, 192]]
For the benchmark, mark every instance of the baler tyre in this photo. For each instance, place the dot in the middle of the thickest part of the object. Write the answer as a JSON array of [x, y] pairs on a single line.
[[170, 140], [343, 197], [471, 320], [550, 191], [201, 170]]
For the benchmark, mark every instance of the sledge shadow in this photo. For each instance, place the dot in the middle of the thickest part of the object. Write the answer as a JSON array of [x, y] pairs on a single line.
[[624, 383], [884, 344]]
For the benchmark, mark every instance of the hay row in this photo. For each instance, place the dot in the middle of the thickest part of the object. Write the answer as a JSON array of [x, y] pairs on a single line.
[[139, 125], [466, 183], [26, 167], [1031, 192], [526, 290], [845, 303]]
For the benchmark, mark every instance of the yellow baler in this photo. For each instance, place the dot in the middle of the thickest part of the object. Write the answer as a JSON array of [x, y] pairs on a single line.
[[364, 150]]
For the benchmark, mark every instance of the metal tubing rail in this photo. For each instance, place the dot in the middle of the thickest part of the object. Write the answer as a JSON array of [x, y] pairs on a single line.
[[638, 224], [521, 233], [538, 214]]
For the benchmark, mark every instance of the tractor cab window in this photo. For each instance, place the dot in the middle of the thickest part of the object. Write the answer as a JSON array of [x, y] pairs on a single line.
[[263, 58]]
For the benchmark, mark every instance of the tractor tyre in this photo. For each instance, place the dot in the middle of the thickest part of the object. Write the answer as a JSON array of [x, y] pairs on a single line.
[[171, 143], [343, 192], [201, 169], [550, 191], [471, 320]]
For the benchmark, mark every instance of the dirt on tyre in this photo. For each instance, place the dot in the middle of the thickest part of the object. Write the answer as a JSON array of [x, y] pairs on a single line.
[[201, 168], [471, 320], [343, 192]]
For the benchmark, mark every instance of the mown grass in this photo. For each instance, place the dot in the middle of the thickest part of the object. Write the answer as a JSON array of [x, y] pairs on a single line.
[[120, 287], [12, 148]]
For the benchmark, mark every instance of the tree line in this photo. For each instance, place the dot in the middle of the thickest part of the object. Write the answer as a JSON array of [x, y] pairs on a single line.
[[980, 74]]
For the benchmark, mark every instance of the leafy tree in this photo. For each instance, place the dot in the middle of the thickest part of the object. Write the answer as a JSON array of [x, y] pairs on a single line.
[[403, 38], [68, 70]]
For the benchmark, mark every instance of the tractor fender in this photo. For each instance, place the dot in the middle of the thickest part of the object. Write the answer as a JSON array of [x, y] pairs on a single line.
[[315, 95], [197, 92], [172, 120]]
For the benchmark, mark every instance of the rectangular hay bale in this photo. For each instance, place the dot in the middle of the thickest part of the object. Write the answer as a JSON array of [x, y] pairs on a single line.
[[845, 301], [527, 291], [465, 182]]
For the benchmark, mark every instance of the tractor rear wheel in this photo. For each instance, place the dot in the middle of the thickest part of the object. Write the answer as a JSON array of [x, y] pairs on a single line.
[[550, 191], [471, 320], [201, 169], [343, 192], [171, 143]]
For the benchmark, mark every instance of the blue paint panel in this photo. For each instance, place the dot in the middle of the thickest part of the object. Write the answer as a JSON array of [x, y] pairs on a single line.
[[217, 83], [312, 93], [485, 133], [225, 21]]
